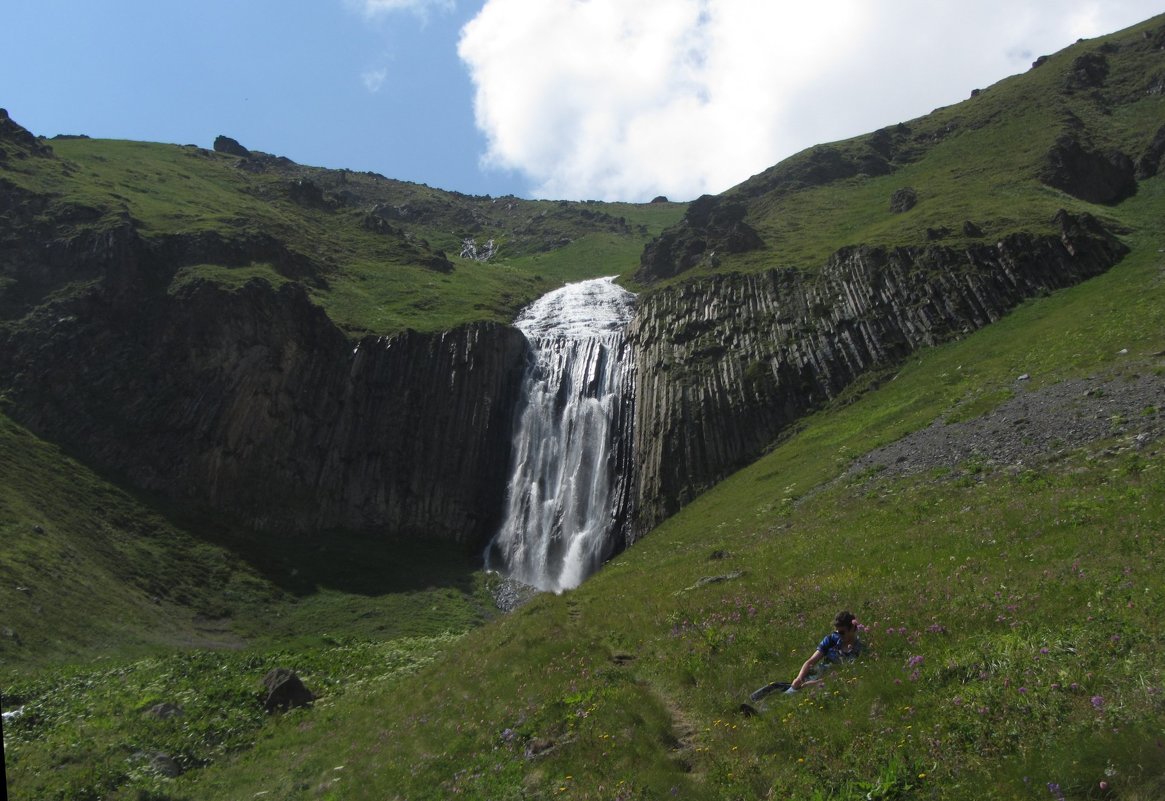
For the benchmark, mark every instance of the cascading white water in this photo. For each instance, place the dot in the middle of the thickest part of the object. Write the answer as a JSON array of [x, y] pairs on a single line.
[[569, 480]]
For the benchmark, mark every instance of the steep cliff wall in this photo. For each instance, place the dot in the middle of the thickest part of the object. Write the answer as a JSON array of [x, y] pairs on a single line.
[[725, 363], [251, 401]]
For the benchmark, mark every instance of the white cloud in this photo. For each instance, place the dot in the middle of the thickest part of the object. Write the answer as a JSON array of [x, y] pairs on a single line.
[[374, 79], [620, 100], [421, 8]]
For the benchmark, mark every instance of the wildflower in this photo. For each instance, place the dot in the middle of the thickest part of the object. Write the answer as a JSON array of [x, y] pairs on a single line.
[[1022, 690], [1098, 703]]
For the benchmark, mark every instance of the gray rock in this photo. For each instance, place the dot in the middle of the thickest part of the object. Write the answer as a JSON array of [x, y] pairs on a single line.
[[165, 711], [160, 763], [903, 200]]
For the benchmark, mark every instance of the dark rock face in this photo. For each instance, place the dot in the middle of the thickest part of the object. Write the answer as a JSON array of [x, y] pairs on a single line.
[[711, 224], [1150, 161], [1088, 174], [224, 144], [728, 362], [285, 690], [307, 193], [19, 140], [251, 401], [1088, 71]]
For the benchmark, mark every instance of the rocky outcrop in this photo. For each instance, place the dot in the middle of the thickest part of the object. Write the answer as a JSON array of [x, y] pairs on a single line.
[[1150, 161], [728, 362], [252, 402], [224, 144], [711, 225], [17, 142], [1088, 174], [1088, 71]]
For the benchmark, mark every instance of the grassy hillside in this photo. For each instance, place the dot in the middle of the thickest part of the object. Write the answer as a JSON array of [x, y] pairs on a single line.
[[1011, 609], [1010, 612], [379, 255], [979, 161]]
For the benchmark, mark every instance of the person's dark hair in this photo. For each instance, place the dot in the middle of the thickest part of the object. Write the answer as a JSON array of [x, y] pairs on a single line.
[[844, 620]]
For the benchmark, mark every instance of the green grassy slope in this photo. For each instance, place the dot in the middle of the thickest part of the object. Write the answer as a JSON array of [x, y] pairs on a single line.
[[976, 161], [377, 279], [1012, 614], [1031, 597]]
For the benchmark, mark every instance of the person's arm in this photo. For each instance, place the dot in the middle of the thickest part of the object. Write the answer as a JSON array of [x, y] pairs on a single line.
[[809, 663]]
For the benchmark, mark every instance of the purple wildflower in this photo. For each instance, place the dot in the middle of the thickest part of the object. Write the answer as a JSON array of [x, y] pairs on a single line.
[[1098, 703]]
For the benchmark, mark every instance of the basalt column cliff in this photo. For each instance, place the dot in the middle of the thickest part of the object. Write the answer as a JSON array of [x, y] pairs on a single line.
[[725, 363], [251, 401]]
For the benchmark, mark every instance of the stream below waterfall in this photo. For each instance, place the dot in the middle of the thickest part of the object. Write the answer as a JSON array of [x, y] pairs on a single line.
[[569, 491]]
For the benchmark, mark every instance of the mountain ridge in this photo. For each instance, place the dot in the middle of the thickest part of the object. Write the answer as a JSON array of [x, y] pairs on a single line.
[[1007, 604]]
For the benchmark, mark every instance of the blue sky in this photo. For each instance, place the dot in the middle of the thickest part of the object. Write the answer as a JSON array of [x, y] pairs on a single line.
[[609, 99]]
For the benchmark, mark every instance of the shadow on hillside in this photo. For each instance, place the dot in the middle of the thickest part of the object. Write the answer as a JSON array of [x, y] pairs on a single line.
[[369, 563], [360, 563]]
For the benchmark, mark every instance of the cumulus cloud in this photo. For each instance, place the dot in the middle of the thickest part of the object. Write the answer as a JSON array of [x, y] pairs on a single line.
[[617, 100]]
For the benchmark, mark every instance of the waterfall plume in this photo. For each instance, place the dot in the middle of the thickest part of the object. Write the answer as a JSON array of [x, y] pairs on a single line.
[[569, 488]]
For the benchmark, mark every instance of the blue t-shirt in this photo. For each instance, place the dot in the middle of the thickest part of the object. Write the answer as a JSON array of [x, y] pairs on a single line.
[[836, 651]]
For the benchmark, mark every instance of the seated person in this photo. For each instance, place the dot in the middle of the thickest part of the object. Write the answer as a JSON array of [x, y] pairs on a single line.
[[842, 645]]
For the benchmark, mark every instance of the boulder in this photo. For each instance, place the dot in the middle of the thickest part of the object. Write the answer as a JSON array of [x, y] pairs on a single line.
[[160, 763], [285, 691], [224, 144], [903, 199], [165, 711]]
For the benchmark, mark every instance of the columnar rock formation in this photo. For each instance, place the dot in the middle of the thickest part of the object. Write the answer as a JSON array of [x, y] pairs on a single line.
[[727, 362], [251, 401]]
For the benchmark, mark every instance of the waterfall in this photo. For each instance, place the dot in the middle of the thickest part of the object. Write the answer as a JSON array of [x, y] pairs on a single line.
[[569, 487]]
